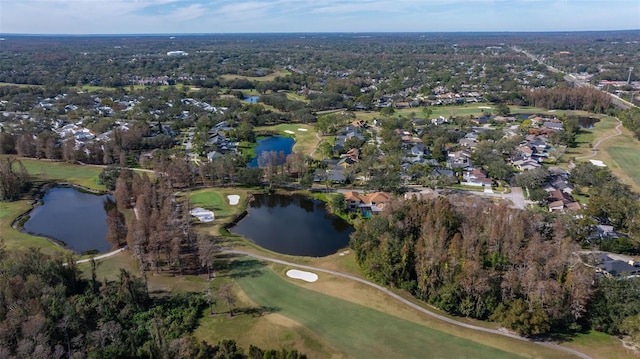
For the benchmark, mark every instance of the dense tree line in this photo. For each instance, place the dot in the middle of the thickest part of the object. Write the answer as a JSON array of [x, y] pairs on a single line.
[[579, 98], [14, 179], [47, 310], [610, 201], [631, 120], [479, 260], [159, 233]]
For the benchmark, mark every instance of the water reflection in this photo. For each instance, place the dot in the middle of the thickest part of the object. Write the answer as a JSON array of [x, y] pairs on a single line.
[[78, 219], [296, 225]]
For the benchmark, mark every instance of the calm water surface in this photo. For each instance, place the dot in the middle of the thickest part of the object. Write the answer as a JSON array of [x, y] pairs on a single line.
[[75, 218], [252, 99], [295, 225], [272, 143]]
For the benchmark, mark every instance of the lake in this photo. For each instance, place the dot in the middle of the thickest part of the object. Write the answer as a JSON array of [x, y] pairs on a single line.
[[295, 225], [272, 143], [251, 99], [78, 219]]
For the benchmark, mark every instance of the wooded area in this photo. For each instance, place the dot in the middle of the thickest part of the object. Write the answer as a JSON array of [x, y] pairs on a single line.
[[473, 258], [48, 311]]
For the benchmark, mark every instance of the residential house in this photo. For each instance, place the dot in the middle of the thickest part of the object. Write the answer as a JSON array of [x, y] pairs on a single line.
[[346, 133], [616, 267], [334, 172], [553, 125], [459, 159], [468, 143], [448, 175], [367, 204], [476, 177], [439, 121], [526, 164], [560, 202], [213, 155]]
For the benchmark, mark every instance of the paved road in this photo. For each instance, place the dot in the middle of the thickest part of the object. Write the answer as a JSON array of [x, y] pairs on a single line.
[[595, 147], [615, 99], [516, 197], [411, 304]]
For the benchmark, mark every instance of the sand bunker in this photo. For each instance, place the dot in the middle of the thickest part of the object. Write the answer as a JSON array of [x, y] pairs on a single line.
[[305, 276], [202, 214], [233, 199], [485, 107], [289, 132], [302, 129], [597, 163]]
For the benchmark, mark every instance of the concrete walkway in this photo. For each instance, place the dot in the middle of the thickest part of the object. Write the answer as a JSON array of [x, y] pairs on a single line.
[[102, 256], [595, 147], [411, 304]]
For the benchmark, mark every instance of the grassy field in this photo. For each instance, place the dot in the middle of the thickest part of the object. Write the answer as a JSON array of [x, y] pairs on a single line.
[[43, 171], [600, 345], [619, 153], [13, 239], [269, 77], [335, 324], [215, 199], [466, 110], [586, 138], [91, 88], [306, 141], [48, 171], [628, 160], [295, 97], [18, 85]]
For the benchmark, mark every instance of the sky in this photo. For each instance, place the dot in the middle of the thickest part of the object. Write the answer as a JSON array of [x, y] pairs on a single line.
[[264, 16]]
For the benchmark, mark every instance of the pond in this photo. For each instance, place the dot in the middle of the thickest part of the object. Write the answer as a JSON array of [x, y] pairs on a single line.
[[251, 99], [295, 225], [587, 122], [75, 218], [272, 143]]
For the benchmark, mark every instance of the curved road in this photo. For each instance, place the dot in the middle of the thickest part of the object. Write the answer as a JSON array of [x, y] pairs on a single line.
[[595, 147], [411, 304]]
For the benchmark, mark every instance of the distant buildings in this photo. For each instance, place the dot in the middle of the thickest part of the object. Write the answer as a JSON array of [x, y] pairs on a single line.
[[177, 53]]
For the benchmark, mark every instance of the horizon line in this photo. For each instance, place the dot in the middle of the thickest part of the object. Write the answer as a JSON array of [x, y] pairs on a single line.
[[320, 32]]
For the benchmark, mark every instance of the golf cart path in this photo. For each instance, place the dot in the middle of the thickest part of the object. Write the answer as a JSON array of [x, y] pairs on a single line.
[[411, 304], [595, 147], [106, 255]]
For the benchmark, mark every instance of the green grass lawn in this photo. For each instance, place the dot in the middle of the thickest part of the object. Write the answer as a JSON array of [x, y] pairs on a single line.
[[356, 330], [628, 159], [306, 141], [48, 171], [600, 345], [465, 110], [13, 239], [43, 171], [216, 200], [295, 97], [18, 85], [620, 153], [269, 77], [91, 88]]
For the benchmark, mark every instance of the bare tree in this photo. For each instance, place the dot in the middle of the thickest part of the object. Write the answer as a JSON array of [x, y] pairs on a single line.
[[226, 293]]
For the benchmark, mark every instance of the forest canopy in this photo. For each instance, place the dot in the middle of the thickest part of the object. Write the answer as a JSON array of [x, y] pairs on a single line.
[[480, 260]]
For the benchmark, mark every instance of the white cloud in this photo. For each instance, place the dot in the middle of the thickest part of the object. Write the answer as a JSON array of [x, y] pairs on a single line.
[[184, 16]]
